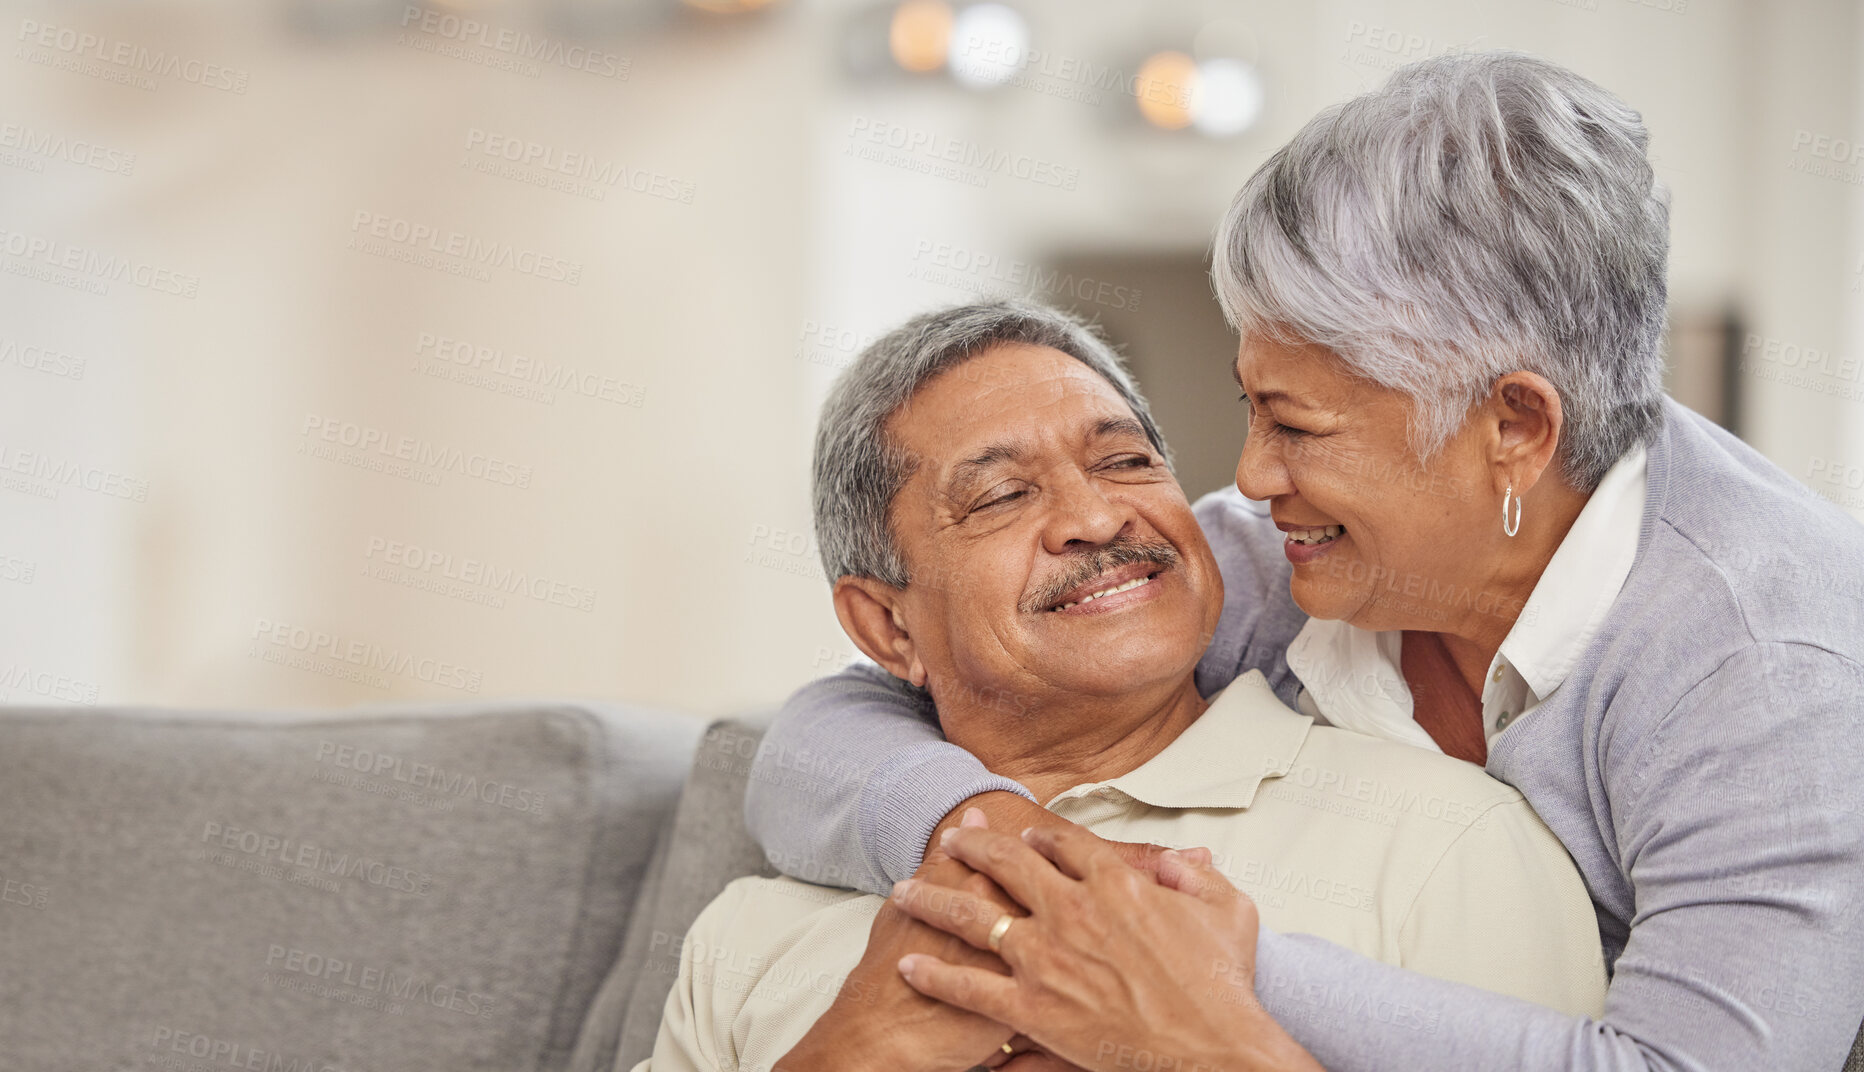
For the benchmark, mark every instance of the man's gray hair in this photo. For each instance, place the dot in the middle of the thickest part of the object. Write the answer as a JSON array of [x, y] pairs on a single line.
[[858, 471], [1480, 213]]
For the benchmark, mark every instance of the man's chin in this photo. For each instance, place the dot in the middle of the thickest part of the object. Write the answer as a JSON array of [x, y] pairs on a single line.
[[1118, 661]]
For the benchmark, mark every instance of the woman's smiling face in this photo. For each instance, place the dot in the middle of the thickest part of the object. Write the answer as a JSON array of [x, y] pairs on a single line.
[[1377, 539]]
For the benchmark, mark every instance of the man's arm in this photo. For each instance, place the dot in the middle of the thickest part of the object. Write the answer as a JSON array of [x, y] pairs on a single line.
[[854, 776], [1739, 822]]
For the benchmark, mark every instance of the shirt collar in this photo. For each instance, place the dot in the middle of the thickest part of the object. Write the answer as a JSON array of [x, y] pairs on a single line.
[[1246, 735]]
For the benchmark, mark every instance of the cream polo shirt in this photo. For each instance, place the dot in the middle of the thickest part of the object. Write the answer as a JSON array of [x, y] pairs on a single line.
[[1401, 854], [1351, 677]]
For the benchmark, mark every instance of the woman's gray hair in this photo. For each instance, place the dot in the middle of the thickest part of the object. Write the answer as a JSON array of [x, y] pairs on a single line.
[[1480, 213], [858, 470]]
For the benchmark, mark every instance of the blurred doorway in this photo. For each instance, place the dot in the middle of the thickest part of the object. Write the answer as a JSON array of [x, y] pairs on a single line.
[[1159, 309]]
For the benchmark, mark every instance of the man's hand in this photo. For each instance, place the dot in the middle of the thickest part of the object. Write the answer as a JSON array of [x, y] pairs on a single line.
[[878, 1021]]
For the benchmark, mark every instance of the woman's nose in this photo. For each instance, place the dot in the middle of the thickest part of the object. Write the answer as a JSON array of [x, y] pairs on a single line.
[[1260, 473]]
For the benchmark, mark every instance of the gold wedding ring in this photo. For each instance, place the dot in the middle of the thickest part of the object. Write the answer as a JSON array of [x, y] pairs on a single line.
[[998, 930]]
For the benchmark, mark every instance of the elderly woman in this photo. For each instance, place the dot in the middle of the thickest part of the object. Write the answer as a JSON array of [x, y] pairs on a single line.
[[1469, 520]]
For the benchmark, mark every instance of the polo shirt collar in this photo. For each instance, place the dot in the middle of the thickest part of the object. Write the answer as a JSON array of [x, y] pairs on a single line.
[[1246, 735]]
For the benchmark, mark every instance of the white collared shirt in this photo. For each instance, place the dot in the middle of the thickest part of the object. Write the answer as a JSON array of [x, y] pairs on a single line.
[[1405, 857], [1351, 677]]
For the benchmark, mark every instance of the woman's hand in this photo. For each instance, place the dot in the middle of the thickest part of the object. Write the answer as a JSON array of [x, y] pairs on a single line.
[[1110, 970]]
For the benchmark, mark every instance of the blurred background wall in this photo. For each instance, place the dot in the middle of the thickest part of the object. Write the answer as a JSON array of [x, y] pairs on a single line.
[[359, 350]]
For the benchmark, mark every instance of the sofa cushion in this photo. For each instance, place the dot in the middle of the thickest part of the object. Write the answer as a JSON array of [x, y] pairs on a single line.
[[363, 890], [704, 847]]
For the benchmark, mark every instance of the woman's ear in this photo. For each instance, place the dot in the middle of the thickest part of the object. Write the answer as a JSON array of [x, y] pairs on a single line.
[[871, 614], [1528, 417]]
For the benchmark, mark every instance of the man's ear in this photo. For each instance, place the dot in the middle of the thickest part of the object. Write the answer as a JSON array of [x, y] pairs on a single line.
[[1529, 418], [870, 613]]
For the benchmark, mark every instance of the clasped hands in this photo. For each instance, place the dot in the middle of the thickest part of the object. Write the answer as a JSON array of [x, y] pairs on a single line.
[[1118, 957]]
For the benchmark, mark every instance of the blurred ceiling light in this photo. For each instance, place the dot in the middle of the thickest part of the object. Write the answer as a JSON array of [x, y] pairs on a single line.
[[728, 7], [920, 35], [989, 42], [1226, 97], [1163, 86]]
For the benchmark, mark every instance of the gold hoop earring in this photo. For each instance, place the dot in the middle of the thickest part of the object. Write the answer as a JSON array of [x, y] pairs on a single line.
[[1508, 529]]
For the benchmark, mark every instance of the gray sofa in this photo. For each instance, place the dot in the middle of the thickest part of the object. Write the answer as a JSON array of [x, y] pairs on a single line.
[[496, 886], [391, 889]]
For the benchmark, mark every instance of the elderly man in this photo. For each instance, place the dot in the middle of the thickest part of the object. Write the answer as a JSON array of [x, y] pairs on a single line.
[[997, 508]]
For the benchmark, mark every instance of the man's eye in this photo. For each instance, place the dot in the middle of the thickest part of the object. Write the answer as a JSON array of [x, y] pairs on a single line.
[[1131, 461], [1291, 433], [998, 500]]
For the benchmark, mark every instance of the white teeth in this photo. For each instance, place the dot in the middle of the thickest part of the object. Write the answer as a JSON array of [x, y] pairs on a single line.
[[1313, 536], [1127, 587]]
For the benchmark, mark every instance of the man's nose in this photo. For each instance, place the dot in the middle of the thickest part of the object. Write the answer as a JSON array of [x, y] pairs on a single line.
[[1082, 513]]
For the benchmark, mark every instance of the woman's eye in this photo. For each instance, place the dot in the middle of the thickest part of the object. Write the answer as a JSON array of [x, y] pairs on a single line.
[[1131, 461], [1291, 433]]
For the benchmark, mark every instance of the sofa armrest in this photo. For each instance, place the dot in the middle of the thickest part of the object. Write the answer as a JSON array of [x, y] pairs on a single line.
[[704, 847]]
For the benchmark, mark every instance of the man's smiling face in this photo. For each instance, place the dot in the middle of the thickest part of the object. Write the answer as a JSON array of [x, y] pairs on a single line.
[[1052, 552]]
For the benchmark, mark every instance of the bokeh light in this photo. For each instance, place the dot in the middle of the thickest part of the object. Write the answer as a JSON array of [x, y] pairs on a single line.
[[920, 35], [989, 42], [729, 7], [1163, 87], [1226, 97]]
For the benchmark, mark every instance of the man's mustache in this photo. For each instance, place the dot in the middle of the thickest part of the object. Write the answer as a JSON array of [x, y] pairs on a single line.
[[1087, 565]]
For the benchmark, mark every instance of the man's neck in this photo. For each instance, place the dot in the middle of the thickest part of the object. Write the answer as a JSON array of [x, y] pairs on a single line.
[[1060, 742]]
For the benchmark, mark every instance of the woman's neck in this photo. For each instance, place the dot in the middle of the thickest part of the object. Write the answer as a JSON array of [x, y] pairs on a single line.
[[1472, 640]]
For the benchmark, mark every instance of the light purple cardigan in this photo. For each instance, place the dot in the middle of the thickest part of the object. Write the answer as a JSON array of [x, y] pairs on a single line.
[[1703, 763]]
